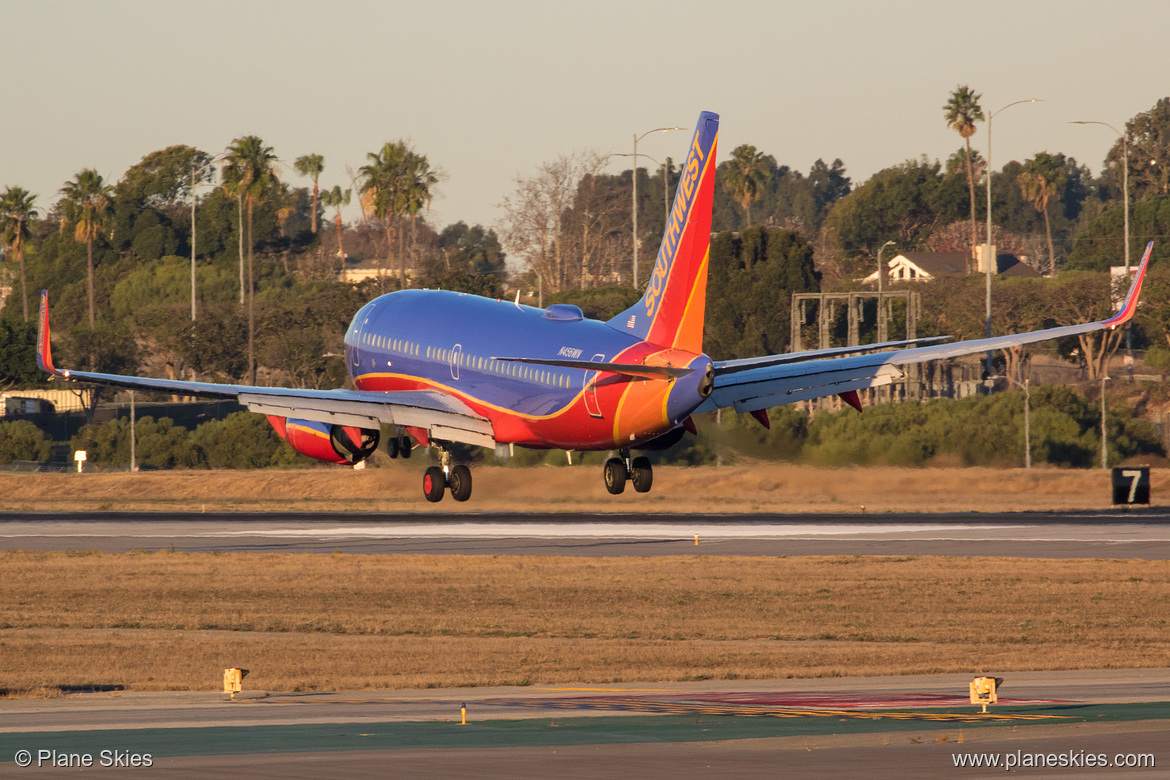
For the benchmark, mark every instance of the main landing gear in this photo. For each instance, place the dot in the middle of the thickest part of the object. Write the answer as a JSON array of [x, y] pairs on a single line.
[[436, 479], [636, 470]]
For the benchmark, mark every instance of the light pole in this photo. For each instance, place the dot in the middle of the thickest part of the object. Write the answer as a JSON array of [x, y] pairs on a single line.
[[196, 173], [879, 264], [987, 260], [1104, 441], [1125, 206], [638, 138]]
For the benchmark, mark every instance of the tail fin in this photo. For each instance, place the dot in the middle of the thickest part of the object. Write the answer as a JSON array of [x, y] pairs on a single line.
[[672, 310]]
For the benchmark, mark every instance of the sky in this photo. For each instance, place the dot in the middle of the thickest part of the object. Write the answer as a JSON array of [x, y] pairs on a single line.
[[490, 90]]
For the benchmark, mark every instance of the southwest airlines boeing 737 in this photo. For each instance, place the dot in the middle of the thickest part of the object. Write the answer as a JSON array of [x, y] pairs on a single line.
[[441, 367]]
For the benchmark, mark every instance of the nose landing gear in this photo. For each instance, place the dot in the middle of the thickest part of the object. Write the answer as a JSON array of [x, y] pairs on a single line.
[[436, 479], [618, 471]]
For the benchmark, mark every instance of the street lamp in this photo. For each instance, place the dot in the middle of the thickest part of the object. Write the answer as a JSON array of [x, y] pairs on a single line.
[[879, 264], [1125, 201], [197, 174], [638, 138], [987, 260]]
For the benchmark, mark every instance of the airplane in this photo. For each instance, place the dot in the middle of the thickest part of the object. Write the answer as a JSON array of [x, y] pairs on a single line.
[[442, 367]]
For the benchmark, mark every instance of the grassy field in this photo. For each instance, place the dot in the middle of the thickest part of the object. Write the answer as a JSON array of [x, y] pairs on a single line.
[[754, 487], [174, 621]]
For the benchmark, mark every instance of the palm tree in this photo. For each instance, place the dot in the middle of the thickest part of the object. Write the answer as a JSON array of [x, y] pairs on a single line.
[[382, 179], [747, 174], [962, 111], [418, 180], [311, 165], [251, 167], [86, 203], [335, 199], [1042, 179], [16, 212]]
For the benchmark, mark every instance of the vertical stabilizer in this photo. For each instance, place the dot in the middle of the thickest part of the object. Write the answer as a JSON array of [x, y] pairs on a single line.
[[672, 310]]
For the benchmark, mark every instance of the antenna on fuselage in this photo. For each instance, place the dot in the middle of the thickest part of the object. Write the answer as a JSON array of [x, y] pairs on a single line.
[[517, 297]]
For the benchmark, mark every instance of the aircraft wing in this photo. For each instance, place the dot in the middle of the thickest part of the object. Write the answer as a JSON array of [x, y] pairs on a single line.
[[445, 418], [775, 382]]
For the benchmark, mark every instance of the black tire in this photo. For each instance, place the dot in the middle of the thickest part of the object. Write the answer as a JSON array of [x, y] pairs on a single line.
[[615, 475], [392, 447], [460, 481], [642, 475], [405, 445], [434, 484]]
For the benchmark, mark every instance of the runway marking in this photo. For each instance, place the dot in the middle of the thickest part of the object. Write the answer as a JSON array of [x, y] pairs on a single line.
[[674, 708]]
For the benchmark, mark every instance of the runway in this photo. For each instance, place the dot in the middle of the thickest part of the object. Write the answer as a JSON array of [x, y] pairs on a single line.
[[882, 727], [1113, 534]]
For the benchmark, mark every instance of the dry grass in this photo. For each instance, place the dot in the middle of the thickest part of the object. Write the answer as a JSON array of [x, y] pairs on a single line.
[[175, 620], [758, 487]]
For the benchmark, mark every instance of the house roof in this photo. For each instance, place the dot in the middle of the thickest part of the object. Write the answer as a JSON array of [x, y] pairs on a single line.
[[938, 263], [1010, 265]]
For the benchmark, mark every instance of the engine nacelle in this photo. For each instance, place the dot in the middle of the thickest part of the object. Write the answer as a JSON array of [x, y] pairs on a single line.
[[324, 441]]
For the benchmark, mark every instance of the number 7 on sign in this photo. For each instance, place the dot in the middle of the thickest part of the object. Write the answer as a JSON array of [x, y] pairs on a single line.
[[1134, 475]]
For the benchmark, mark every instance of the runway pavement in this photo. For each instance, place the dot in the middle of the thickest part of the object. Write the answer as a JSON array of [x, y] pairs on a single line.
[[879, 727], [876, 727], [1113, 534]]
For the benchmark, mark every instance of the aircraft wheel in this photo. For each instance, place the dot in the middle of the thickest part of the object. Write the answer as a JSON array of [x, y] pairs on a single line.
[[404, 447], [642, 475], [434, 484], [392, 447], [460, 483], [615, 475]]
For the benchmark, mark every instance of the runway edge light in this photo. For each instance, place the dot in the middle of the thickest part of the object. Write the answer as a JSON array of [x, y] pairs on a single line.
[[983, 690]]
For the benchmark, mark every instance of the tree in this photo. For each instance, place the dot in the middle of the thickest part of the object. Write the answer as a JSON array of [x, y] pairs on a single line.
[[250, 165], [1149, 153], [335, 199], [311, 165], [16, 213], [962, 111], [86, 204], [532, 227], [746, 176], [905, 203], [1041, 181], [18, 355], [470, 259], [382, 178], [417, 191], [752, 276], [1083, 296]]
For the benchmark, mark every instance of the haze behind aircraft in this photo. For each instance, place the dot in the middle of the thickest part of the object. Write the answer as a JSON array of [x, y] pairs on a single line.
[[446, 367]]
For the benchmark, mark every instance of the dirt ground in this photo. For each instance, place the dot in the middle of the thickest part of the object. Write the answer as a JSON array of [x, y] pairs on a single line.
[[751, 488]]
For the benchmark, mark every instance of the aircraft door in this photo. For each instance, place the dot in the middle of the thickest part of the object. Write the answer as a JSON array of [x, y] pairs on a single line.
[[456, 359], [591, 404]]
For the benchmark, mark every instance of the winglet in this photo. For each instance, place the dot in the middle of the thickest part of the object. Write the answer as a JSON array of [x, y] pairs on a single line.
[[1129, 305], [44, 350]]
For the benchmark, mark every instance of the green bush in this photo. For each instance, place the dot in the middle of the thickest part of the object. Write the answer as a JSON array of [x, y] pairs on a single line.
[[21, 440], [160, 444], [242, 440]]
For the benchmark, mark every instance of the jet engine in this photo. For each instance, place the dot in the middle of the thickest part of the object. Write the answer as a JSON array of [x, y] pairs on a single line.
[[328, 442]]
